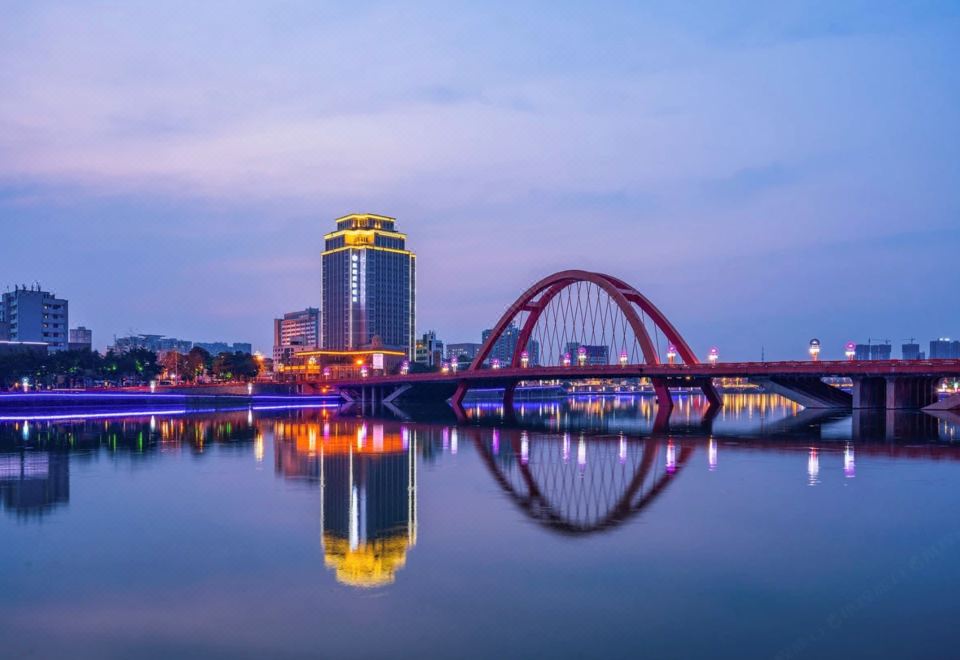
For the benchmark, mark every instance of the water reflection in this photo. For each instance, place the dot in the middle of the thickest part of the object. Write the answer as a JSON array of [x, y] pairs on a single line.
[[34, 483], [367, 473]]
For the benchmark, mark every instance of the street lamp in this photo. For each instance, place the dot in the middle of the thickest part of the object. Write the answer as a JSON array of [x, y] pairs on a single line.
[[364, 372], [582, 355], [850, 350], [495, 363], [444, 367], [714, 355], [455, 364], [814, 349], [405, 367], [524, 359], [623, 358], [671, 354], [566, 359]]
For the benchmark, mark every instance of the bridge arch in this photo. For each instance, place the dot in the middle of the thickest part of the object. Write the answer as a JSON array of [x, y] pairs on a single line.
[[600, 316], [638, 314]]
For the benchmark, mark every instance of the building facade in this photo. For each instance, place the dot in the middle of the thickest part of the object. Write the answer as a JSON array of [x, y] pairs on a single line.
[[369, 286], [595, 355], [296, 331], [429, 350], [81, 339], [29, 314], [912, 351], [872, 352], [463, 351], [943, 348], [506, 344]]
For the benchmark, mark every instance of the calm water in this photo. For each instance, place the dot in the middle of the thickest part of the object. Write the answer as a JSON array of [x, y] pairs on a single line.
[[580, 528]]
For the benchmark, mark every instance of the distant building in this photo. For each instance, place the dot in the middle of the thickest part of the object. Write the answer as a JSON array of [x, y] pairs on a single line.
[[596, 355], [218, 347], [872, 351], [465, 350], [33, 315], [912, 351], [161, 344], [943, 348], [429, 350], [505, 346], [369, 286], [81, 339], [296, 331]]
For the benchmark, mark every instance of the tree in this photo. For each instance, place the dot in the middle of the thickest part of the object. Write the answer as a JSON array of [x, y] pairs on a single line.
[[198, 362]]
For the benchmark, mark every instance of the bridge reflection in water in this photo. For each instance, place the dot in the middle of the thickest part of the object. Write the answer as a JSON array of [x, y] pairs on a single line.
[[368, 484]]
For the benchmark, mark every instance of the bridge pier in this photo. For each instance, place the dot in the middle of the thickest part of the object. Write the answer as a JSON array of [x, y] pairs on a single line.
[[894, 392]]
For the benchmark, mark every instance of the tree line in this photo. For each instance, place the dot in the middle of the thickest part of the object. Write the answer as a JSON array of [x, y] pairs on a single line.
[[85, 368]]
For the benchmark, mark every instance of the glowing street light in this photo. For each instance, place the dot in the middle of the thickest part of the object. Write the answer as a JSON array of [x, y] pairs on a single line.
[[714, 355], [671, 354], [25, 384], [582, 355], [495, 363], [454, 365], [364, 371], [850, 350], [444, 367], [814, 349], [153, 387], [405, 367], [566, 359], [525, 359], [623, 358]]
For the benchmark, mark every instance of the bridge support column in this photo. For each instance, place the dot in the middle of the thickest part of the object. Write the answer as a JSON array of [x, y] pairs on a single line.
[[869, 392], [509, 392], [910, 392], [664, 400], [709, 392]]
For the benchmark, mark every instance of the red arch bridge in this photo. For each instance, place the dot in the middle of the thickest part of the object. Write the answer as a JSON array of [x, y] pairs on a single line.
[[579, 325]]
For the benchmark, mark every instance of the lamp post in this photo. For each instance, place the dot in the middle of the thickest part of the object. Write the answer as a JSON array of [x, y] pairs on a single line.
[[671, 354], [713, 356]]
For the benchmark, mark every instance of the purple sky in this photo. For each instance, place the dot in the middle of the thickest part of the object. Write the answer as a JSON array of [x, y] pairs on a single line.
[[764, 172]]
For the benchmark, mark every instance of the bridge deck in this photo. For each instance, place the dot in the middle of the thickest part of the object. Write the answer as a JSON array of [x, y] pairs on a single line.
[[674, 373]]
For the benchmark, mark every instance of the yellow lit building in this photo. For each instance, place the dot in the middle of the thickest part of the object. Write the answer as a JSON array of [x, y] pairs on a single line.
[[369, 286]]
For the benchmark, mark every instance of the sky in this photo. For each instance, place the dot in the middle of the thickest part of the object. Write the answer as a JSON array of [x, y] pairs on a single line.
[[764, 172]]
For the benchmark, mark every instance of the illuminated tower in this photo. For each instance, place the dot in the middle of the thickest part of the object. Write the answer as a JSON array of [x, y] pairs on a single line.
[[369, 285]]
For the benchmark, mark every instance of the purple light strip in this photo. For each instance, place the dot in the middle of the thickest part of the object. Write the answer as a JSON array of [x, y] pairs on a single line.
[[121, 395], [146, 413]]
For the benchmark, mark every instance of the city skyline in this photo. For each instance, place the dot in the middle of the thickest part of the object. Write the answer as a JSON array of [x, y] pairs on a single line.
[[765, 175]]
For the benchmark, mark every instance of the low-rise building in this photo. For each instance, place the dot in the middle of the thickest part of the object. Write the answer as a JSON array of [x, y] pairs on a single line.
[[429, 350], [295, 332], [30, 314], [81, 339]]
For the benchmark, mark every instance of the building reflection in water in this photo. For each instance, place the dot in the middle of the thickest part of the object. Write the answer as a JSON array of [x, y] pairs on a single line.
[[368, 483], [33, 483]]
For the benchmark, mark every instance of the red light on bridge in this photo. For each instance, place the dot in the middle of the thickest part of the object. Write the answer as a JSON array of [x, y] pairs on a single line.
[[850, 350]]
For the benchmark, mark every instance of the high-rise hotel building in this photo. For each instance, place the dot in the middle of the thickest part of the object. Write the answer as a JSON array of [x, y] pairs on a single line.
[[369, 285]]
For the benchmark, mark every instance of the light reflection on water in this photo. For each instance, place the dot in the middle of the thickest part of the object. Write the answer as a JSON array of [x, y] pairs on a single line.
[[425, 513]]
